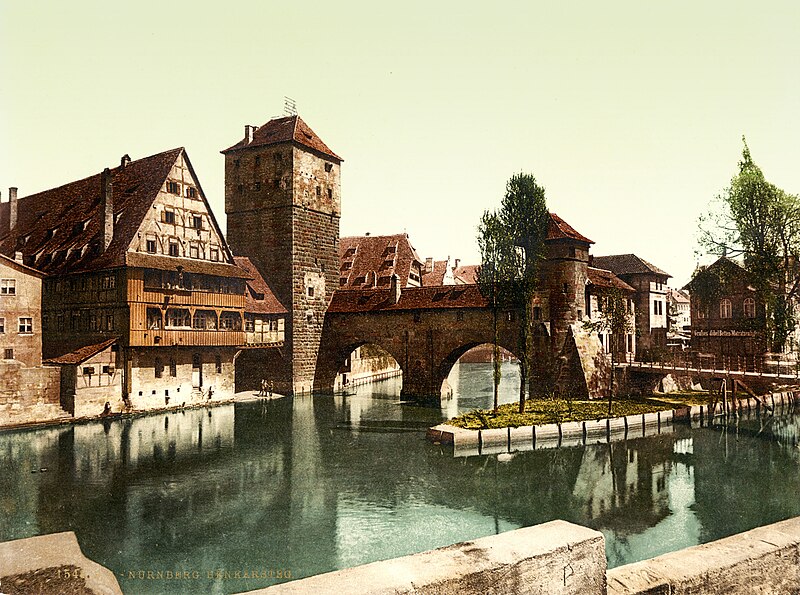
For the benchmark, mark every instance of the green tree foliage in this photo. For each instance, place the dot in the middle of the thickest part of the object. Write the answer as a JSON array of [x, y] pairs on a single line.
[[512, 244], [615, 319], [757, 221]]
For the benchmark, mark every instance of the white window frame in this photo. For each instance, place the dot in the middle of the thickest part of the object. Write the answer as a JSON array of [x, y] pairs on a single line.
[[28, 326], [8, 287]]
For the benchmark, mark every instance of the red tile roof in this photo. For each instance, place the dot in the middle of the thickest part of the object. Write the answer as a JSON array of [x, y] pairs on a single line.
[[607, 279], [259, 298], [287, 129], [462, 275], [59, 230], [558, 229], [362, 258], [627, 264], [466, 274], [81, 354], [411, 298]]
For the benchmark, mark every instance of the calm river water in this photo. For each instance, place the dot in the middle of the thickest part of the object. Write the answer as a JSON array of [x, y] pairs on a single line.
[[303, 486]]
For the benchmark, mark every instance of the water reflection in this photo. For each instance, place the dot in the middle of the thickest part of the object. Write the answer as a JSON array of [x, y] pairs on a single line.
[[315, 484]]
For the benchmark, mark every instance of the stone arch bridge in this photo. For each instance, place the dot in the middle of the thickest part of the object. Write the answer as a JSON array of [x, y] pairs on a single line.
[[425, 329]]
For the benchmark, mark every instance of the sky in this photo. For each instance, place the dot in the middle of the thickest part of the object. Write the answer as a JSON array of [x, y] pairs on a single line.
[[629, 113]]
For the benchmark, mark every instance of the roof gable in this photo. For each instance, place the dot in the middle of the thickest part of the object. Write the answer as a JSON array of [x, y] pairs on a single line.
[[283, 130], [185, 201]]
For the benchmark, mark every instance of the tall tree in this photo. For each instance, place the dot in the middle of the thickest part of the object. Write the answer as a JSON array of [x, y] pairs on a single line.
[[616, 319], [512, 242], [757, 221]]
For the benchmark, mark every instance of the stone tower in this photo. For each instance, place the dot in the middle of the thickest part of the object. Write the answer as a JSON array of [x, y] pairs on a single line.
[[560, 302], [283, 202]]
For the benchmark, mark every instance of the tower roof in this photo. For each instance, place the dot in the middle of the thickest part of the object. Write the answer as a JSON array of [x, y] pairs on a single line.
[[283, 130], [558, 229]]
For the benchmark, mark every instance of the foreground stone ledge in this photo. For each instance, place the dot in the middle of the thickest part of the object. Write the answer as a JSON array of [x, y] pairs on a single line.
[[763, 560], [54, 552], [552, 558]]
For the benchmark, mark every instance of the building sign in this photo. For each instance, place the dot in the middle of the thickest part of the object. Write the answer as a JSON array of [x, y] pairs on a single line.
[[724, 333]]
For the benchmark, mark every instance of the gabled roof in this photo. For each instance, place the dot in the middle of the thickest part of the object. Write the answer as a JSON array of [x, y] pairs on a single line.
[[627, 264], [282, 130], [462, 275], [49, 222], [81, 354], [411, 298], [466, 274], [607, 280], [558, 229], [725, 268], [362, 256], [259, 298], [59, 230], [679, 296]]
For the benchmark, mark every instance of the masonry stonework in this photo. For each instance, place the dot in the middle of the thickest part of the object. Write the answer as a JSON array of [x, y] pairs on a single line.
[[282, 199]]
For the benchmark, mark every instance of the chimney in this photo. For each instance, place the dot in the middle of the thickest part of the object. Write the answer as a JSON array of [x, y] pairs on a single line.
[[126, 159], [458, 261], [429, 265], [18, 256], [12, 208], [248, 133], [106, 207], [394, 293]]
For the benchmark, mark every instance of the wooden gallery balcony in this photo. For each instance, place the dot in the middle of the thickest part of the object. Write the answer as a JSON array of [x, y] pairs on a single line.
[[180, 307]]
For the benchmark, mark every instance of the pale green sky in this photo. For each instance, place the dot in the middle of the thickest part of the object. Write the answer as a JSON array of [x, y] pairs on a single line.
[[629, 113]]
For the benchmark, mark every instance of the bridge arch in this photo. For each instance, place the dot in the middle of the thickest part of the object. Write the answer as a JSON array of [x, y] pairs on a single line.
[[334, 358]]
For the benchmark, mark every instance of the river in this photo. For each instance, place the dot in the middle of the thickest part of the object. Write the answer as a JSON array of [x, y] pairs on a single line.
[[300, 486]]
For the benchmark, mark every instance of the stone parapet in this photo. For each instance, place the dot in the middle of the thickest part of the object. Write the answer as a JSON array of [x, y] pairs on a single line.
[[555, 557], [763, 560]]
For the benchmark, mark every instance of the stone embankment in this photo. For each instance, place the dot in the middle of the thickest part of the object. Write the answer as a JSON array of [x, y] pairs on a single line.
[[577, 433]]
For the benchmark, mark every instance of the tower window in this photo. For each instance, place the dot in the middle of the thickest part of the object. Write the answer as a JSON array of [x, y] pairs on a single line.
[[330, 193], [310, 291]]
